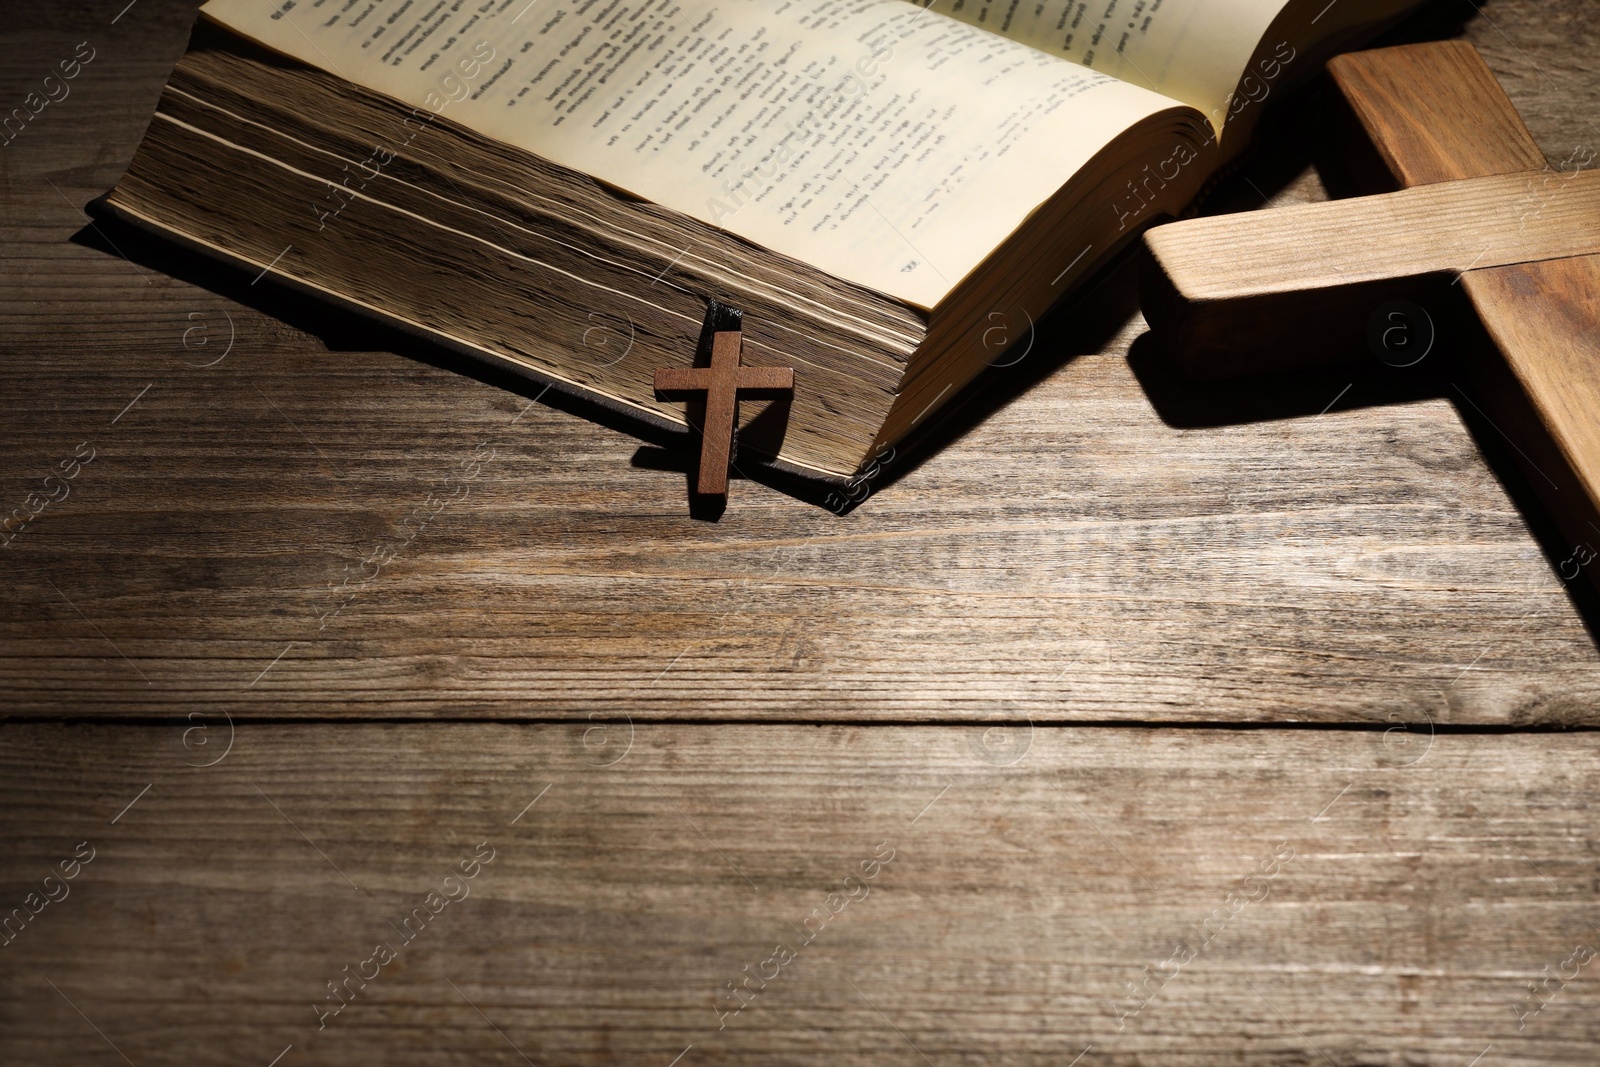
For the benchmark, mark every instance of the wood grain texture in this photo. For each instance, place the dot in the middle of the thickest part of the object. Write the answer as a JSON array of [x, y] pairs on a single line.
[[1435, 112], [261, 535], [1548, 310], [1544, 392], [1422, 886]]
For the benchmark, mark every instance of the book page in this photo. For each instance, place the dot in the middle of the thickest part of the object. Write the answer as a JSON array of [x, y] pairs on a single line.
[[882, 144], [1191, 50]]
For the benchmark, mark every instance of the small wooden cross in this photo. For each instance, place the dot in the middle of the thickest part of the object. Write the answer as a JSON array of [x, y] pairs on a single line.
[[721, 382], [1479, 211]]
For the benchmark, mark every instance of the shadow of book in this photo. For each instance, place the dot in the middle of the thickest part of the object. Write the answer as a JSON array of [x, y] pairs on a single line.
[[341, 329], [1081, 325]]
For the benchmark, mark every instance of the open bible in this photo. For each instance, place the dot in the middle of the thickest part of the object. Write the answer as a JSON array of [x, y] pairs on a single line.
[[560, 185]]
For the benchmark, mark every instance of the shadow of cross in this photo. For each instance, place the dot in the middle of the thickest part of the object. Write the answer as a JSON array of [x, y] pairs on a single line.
[[721, 382], [1477, 203]]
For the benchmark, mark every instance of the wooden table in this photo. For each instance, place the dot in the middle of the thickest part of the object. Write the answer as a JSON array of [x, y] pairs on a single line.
[[1050, 665]]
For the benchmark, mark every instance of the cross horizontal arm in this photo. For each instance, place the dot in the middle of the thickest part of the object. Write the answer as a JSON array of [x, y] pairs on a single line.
[[766, 378], [1219, 291], [1449, 226], [682, 379]]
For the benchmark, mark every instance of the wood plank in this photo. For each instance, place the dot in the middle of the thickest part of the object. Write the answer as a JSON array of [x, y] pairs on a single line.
[[1420, 885]]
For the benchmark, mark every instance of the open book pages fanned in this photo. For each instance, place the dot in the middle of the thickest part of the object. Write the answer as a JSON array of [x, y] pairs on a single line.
[[562, 184]]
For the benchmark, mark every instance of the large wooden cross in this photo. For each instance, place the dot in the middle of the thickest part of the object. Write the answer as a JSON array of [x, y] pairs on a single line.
[[721, 382], [1479, 208]]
